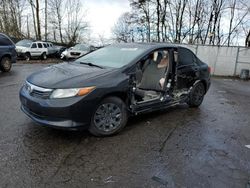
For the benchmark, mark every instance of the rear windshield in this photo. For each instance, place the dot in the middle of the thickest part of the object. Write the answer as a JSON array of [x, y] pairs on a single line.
[[112, 56]]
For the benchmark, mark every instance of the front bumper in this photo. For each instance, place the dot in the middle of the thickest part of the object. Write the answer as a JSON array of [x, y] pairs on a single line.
[[68, 113]]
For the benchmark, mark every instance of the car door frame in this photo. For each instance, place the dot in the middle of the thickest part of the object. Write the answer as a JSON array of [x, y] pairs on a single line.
[[188, 73], [163, 100]]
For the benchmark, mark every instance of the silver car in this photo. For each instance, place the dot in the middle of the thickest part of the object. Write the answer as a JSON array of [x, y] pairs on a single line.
[[75, 51]]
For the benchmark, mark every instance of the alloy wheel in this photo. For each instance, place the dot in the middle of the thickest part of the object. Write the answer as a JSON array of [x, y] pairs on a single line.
[[108, 117]]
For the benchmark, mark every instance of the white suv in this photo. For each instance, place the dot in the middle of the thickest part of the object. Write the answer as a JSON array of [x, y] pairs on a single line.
[[35, 49]]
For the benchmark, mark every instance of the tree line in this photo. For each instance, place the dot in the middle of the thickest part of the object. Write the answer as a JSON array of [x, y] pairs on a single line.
[[60, 21], [213, 22]]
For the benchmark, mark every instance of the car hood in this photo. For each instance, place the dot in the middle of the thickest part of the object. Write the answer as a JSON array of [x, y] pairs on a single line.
[[66, 75], [21, 48]]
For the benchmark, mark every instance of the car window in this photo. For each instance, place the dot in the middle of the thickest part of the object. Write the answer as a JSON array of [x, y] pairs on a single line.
[[44, 45], [33, 45], [4, 41], [185, 57], [39, 45], [112, 56]]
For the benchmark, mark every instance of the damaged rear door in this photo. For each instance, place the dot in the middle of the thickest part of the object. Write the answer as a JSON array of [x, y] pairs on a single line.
[[187, 69]]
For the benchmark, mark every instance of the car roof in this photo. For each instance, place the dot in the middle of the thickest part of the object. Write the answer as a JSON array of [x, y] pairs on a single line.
[[146, 45], [7, 37], [40, 41]]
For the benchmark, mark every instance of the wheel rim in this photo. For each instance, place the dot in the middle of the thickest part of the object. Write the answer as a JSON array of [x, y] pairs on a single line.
[[198, 94], [6, 64], [108, 117], [44, 56]]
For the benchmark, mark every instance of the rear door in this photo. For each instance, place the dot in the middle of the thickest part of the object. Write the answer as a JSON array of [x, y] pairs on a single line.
[[33, 49], [40, 49], [187, 68]]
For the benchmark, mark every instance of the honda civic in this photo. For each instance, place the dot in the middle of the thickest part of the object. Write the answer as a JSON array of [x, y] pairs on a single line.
[[102, 89]]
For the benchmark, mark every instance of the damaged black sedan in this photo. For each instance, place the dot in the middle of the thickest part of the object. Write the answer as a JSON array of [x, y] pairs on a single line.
[[100, 90]]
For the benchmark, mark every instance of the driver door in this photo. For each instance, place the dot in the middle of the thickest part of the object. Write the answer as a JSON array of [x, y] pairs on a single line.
[[147, 82]]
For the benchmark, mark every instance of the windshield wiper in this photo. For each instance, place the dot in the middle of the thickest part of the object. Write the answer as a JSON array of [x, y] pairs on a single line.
[[92, 65]]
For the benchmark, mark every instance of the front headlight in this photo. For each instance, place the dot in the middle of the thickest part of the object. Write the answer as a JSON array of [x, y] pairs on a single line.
[[65, 93]]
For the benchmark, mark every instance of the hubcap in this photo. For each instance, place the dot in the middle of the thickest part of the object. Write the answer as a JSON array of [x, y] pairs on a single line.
[[107, 117]]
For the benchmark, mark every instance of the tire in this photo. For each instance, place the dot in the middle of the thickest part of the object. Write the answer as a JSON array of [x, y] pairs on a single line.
[[5, 64], [196, 95], [44, 56], [109, 118], [27, 56]]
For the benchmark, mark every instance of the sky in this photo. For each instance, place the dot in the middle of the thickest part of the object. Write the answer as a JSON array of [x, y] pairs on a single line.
[[103, 14]]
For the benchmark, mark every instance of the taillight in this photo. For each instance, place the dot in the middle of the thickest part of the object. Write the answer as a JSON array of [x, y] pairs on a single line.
[[209, 69]]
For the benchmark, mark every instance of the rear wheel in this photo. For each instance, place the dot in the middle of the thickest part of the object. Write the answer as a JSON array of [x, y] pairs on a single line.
[[109, 117], [196, 95], [5, 64]]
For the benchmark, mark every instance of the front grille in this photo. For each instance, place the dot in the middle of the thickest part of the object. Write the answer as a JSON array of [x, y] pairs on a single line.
[[36, 91], [75, 53], [40, 94]]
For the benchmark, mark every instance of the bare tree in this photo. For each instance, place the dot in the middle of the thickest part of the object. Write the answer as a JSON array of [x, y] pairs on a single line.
[[143, 6], [238, 16], [75, 23], [56, 16], [35, 8], [122, 29], [11, 17], [46, 20], [247, 41]]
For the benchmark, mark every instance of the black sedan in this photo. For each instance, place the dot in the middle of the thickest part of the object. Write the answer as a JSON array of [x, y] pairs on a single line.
[[100, 90]]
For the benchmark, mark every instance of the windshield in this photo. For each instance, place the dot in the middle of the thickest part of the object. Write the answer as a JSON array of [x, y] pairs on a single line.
[[81, 47], [25, 43], [111, 56]]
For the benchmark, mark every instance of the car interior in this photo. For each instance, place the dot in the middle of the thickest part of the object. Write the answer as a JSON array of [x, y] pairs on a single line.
[[151, 76]]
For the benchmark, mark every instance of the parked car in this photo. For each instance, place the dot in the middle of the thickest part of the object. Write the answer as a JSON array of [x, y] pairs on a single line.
[[52, 50], [30, 49], [21, 47], [59, 50], [100, 90], [7, 53], [75, 51]]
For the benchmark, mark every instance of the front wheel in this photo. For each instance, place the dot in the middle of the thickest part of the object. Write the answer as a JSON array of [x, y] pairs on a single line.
[[196, 95], [109, 117], [5, 64], [27, 56], [44, 56]]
